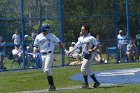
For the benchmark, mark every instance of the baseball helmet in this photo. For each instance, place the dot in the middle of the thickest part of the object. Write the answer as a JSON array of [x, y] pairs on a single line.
[[45, 27]]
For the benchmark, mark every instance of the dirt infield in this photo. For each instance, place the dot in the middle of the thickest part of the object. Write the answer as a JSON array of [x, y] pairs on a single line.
[[60, 89]]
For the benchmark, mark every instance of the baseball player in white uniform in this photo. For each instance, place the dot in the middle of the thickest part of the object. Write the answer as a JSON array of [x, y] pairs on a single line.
[[45, 43], [88, 44]]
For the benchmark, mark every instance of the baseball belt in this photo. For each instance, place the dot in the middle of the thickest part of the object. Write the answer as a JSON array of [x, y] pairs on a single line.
[[45, 53]]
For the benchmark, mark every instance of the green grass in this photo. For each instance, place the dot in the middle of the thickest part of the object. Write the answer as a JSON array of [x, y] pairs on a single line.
[[13, 81]]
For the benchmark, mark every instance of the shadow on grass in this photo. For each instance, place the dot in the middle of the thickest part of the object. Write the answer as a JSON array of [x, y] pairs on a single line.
[[107, 87]]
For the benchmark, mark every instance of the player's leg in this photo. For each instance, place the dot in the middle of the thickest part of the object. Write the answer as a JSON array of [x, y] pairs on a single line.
[[84, 73], [96, 84], [46, 65], [91, 74]]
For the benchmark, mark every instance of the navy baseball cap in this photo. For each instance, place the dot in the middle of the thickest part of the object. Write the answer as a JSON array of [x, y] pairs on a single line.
[[45, 27]]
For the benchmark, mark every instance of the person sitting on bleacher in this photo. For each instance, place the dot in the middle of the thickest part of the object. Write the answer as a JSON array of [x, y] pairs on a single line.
[[2, 53], [132, 51], [98, 56], [17, 55], [17, 52], [76, 53]]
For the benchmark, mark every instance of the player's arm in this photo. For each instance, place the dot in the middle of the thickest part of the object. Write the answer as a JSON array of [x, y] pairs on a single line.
[[87, 54], [94, 46], [61, 45], [70, 51], [58, 41], [35, 47], [77, 46]]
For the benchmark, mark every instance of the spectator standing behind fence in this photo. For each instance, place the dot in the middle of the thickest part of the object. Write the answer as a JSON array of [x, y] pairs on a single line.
[[2, 52], [46, 42], [16, 38], [122, 43], [132, 51]]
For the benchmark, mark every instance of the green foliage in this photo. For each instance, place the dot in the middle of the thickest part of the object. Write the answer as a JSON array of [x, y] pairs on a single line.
[[36, 27], [99, 14]]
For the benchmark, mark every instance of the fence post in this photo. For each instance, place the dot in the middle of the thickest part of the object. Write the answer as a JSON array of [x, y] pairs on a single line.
[[127, 19], [22, 30], [61, 28], [116, 30]]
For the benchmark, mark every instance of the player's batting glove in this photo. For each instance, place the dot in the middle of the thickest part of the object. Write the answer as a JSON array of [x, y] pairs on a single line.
[[87, 54]]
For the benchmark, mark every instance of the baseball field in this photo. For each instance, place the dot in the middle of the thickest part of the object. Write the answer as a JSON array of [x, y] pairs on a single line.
[[34, 80]]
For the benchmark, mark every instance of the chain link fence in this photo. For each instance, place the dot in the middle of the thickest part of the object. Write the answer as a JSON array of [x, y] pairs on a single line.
[[67, 19]]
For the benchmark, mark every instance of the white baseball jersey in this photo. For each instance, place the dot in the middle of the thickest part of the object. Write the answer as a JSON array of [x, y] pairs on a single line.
[[46, 43], [86, 42], [16, 38]]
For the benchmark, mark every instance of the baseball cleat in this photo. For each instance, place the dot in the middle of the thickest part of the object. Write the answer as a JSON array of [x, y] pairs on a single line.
[[51, 88], [84, 85], [97, 84]]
